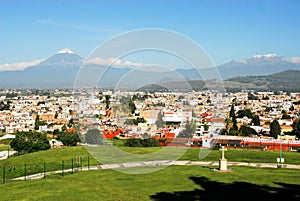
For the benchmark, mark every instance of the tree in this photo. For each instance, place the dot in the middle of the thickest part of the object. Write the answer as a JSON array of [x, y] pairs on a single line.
[[136, 142], [234, 130], [286, 116], [247, 112], [275, 129], [190, 129], [64, 128], [252, 96], [94, 136], [56, 115], [132, 106], [107, 101], [36, 122], [296, 128], [255, 120], [68, 138], [139, 120], [160, 122], [206, 127], [28, 142], [246, 131], [232, 112]]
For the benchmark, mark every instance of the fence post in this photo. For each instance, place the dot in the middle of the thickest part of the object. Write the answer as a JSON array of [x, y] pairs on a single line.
[[25, 171], [3, 174], [44, 170], [62, 168], [88, 162], [72, 165], [8, 152], [81, 163]]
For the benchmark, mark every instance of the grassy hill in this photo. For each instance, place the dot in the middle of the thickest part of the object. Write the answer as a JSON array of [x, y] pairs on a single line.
[[284, 81]]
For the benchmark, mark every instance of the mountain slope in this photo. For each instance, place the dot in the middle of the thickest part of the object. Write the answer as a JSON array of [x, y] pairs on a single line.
[[283, 81], [61, 70], [256, 66]]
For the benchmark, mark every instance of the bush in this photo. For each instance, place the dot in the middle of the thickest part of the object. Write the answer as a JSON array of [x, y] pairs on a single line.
[[28, 142], [136, 142], [68, 138]]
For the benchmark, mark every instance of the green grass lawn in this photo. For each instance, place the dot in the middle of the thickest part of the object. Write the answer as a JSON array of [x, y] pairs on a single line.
[[53, 158], [4, 147], [244, 155], [171, 183]]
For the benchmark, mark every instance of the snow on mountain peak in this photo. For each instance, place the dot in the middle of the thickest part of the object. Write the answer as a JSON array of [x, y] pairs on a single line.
[[65, 51], [265, 55]]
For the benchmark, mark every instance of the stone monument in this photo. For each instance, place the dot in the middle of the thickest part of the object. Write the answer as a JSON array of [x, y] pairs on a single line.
[[223, 160]]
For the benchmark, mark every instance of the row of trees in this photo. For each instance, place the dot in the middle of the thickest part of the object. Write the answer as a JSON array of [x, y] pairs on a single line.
[[246, 130], [32, 141]]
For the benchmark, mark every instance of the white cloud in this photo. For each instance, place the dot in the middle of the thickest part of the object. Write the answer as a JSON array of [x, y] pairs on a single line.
[[68, 25], [19, 66], [115, 62], [295, 60]]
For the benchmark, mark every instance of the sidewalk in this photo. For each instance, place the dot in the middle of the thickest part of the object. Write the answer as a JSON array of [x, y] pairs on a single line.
[[158, 163], [4, 154]]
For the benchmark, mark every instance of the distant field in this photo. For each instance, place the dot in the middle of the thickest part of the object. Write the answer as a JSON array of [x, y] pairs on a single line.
[[171, 183]]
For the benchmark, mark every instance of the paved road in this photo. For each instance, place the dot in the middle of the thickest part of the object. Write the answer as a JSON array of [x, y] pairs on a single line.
[[160, 163]]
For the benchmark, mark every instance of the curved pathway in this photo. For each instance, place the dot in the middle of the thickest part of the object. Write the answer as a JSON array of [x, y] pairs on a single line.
[[158, 163]]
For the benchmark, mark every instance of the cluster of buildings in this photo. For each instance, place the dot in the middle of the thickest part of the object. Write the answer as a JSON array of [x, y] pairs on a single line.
[[163, 113]]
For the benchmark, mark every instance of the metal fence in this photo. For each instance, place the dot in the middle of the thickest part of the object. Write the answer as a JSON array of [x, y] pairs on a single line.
[[27, 171]]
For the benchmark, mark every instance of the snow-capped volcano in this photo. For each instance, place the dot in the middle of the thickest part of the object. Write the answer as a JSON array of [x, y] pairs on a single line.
[[258, 59], [64, 57], [257, 65], [65, 51]]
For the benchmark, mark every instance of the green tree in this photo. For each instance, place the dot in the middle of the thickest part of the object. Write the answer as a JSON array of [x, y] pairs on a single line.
[[132, 106], [136, 142], [107, 101], [286, 116], [252, 96], [232, 120], [296, 128], [234, 130], [68, 138], [275, 129], [28, 142], [56, 115], [139, 120], [206, 127], [255, 120], [64, 128], [190, 129], [246, 131], [37, 122], [247, 112], [94, 136]]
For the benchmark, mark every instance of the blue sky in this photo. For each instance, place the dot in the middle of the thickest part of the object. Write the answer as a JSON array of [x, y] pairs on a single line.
[[226, 29]]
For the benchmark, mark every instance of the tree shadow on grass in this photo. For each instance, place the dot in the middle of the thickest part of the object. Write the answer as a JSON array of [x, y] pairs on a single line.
[[213, 191]]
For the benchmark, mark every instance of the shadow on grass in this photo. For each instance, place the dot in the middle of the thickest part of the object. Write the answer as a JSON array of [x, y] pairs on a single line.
[[213, 190]]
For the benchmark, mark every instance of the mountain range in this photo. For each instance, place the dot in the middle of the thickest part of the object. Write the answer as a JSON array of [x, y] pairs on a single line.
[[62, 70]]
